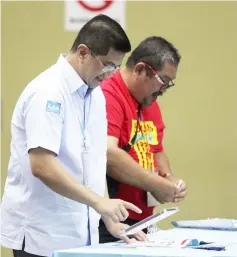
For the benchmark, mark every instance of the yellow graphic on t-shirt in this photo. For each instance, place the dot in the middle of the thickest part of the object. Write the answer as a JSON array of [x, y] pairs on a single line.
[[146, 136]]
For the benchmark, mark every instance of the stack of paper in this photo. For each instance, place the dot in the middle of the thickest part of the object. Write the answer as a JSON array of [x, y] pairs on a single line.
[[215, 224], [162, 243]]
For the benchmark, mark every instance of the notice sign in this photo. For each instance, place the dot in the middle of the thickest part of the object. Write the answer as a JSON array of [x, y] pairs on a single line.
[[78, 12]]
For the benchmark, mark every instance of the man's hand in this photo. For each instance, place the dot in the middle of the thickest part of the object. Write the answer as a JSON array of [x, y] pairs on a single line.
[[181, 185], [166, 192], [116, 228], [115, 209]]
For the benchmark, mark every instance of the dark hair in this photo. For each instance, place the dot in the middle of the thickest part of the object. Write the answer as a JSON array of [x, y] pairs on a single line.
[[154, 51], [100, 34]]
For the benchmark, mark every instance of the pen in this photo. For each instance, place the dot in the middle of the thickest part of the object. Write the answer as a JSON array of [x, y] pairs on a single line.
[[212, 248]]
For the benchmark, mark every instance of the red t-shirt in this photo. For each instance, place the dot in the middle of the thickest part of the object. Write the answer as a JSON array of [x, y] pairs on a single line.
[[122, 122]]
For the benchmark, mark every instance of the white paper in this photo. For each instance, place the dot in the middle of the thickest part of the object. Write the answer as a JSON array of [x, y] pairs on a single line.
[[153, 219], [151, 201]]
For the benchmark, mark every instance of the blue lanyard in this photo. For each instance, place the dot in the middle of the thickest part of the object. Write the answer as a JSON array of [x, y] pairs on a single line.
[[86, 116]]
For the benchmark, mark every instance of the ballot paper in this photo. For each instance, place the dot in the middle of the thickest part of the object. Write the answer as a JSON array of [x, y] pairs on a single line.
[[182, 243], [213, 224], [153, 219]]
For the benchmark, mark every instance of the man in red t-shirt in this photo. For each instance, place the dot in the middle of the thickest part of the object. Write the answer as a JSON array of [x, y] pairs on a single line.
[[138, 169]]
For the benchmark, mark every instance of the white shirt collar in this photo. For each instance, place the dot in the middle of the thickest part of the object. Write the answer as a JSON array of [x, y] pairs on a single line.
[[74, 80]]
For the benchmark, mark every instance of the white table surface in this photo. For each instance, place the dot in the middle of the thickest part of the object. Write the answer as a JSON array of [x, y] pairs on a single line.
[[228, 238]]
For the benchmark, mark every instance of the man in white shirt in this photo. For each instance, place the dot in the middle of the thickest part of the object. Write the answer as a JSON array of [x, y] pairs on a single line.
[[54, 192]]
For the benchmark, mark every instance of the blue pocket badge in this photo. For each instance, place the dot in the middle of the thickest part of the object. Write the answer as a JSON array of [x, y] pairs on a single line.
[[53, 106]]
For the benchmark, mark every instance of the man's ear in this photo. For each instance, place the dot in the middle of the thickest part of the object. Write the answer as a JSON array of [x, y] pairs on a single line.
[[83, 51], [139, 68]]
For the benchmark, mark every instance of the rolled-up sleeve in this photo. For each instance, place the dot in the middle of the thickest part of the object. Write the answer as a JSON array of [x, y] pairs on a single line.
[[44, 118]]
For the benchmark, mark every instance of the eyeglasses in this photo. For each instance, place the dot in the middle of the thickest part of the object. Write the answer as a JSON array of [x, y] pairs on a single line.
[[106, 68], [165, 85]]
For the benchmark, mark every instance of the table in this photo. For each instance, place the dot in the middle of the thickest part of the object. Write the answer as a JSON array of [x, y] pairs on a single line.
[[110, 250]]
